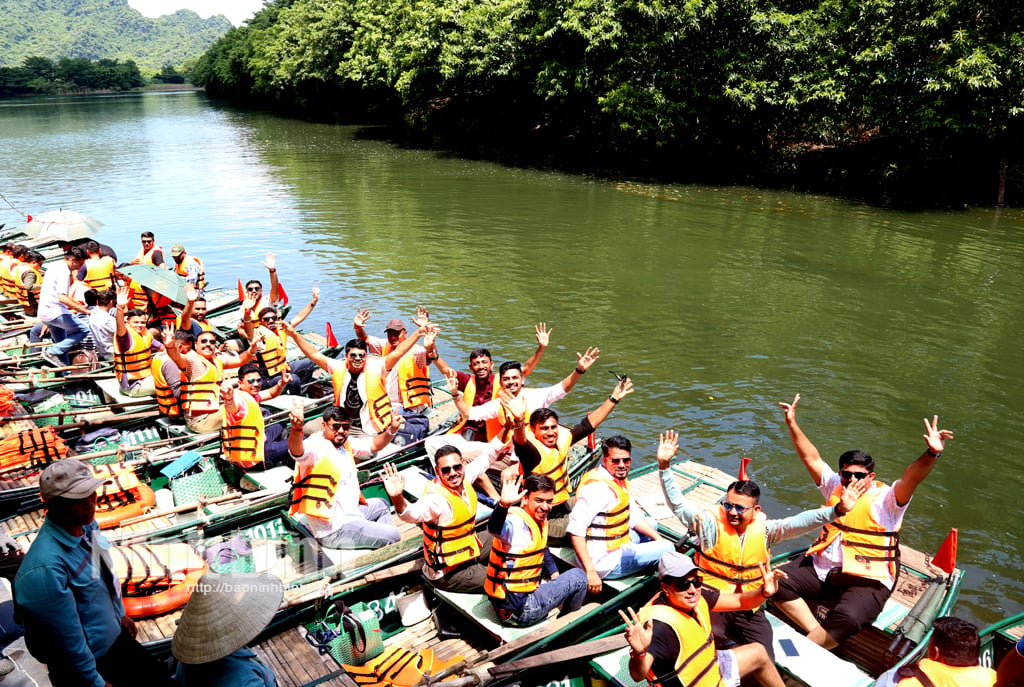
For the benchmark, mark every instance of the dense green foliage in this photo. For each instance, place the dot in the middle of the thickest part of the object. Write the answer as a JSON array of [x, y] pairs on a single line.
[[69, 75], [98, 29], [894, 99]]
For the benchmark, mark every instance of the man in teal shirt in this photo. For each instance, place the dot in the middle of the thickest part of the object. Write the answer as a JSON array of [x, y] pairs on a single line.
[[68, 597]]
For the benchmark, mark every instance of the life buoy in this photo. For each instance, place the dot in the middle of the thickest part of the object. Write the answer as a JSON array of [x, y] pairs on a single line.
[[171, 599], [112, 518]]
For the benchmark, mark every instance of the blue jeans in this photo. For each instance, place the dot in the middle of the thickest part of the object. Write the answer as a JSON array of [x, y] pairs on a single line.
[[568, 591], [66, 330], [643, 552], [372, 531]]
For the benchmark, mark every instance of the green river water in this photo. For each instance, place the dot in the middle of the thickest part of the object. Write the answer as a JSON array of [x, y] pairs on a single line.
[[718, 302]]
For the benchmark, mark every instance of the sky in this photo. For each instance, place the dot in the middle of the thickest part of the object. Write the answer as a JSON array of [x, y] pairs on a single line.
[[235, 10]]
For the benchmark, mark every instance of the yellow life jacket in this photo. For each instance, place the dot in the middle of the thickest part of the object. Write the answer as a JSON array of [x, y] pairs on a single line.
[[376, 402], [697, 664], [610, 527], [124, 487], [99, 273], [553, 462], [273, 357], [145, 257], [494, 424], [453, 540], [166, 401], [517, 569], [242, 443], [865, 542], [413, 382], [181, 269], [136, 361], [254, 315], [203, 395], [27, 298], [731, 566], [942, 675], [313, 492], [7, 265]]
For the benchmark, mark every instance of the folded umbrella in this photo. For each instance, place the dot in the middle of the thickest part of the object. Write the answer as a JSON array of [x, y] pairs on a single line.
[[164, 282]]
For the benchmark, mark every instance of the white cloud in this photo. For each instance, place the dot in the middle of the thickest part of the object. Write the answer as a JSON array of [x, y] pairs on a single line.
[[235, 10]]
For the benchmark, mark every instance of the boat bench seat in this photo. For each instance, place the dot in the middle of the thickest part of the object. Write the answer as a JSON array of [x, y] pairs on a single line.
[[111, 388], [567, 554], [477, 608]]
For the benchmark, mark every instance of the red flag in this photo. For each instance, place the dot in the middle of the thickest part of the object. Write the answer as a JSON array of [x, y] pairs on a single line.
[[281, 295], [331, 341], [945, 559], [241, 291], [743, 468], [29, 218]]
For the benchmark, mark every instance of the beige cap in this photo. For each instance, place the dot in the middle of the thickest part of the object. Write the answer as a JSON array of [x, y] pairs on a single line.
[[224, 614], [70, 478]]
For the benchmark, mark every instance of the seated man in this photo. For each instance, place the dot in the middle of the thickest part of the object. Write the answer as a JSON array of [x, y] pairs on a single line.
[[325, 494], [27, 277], [272, 353], [610, 535], [255, 300], [544, 449], [670, 639], [103, 325], [98, 270], [952, 660], [520, 556], [166, 375], [133, 348], [245, 439], [189, 268], [854, 561], [456, 557], [735, 536]]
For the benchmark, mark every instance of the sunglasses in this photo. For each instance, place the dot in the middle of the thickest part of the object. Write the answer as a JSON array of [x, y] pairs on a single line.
[[620, 461], [735, 508], [253, 288], [269, 320], [336, 426], [449, 469], [682, 585], [849, 475], [251, 382], [147, 242], [206, 341], [356, 356]]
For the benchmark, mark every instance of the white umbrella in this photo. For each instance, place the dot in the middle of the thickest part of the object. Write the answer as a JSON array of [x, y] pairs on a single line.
[[62, 225]]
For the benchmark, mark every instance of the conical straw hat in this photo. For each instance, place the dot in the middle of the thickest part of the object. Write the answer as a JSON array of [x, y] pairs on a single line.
[[224, 614]]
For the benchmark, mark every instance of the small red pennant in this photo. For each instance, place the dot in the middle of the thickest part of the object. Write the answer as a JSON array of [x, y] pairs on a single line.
[[945, 559]]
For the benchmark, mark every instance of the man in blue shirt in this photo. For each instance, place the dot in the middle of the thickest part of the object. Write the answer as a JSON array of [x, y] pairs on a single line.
[[68, 597]]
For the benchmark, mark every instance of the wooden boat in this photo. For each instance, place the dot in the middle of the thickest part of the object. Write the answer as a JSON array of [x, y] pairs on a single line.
[[999, 639]]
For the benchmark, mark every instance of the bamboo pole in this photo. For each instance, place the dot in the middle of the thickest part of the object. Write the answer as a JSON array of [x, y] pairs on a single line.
[[85, 411]]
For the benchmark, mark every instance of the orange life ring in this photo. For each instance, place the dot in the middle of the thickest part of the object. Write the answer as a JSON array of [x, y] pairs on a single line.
[[112, 518], [163, 602]]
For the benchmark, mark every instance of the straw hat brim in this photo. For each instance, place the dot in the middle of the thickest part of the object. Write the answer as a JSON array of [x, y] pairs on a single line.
[[224, 614]]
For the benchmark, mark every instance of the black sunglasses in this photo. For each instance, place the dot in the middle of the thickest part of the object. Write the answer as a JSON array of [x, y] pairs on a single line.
[[448, 469], [685, 583], [847, 474]]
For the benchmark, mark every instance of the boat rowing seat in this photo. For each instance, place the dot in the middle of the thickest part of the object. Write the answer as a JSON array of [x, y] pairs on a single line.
[[478, 609], [111, 388], [567, 554], [815, 666]]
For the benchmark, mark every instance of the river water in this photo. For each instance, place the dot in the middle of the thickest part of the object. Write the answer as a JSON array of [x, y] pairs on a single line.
[[718, 302]]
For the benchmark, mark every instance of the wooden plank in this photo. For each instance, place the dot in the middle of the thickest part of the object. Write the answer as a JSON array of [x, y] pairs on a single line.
[[584, 650], [540, 633]]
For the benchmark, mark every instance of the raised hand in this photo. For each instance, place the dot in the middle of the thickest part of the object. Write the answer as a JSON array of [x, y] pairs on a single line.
[[422, 317], [124, 296], [622, 389], [191, 293], [394, 481], [668, 444], [543, 334], [585, 360], [638, 634], [935, 437], [167, 336], [397, 422], [431, 335], [771, 578], [511, 492], [249, 304], [851, 493], [271, 262], [316, 293], [286, 378], [453, 382], [288, 327], [297, 415], [361, 318], [789, 409], [227, 391], [515, 406]]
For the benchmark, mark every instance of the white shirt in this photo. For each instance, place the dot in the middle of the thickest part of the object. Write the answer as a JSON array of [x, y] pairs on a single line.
[[57, 280], [884, 510], [345, 508], [593, 498], [535, 398], [102, 326]]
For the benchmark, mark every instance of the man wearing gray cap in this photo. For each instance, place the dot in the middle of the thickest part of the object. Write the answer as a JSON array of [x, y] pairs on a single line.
[[189, 268], [68, 597], [670, 639]]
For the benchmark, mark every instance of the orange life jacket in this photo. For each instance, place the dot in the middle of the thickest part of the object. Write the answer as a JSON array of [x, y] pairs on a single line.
[[494, 424], [865, 542], [134, 363], [27, 297], [610, 527], [99, 273], [453, 539], [413, 382], [273, 358], [181, 269], [517, 569], [697, 663], [7, 265], [553, 462], [313, 492], [242, 443], [730, 565], [34, 447], [202, 395], [373, 390], [166, 401]]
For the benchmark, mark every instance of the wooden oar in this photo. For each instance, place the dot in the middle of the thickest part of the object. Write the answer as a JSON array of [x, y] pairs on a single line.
[[595, 647], [85, 411], [99, 422], [127, 448], [179, 509]]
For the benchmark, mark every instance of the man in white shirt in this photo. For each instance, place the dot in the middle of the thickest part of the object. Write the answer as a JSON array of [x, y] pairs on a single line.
[[102, 324], [325, 494], [855, 559], [57, 308]]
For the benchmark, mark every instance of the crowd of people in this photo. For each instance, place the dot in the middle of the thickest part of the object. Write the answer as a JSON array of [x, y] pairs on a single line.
[[706, 626]]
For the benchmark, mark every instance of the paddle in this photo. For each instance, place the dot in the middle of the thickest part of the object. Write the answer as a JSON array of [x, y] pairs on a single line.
[[578, 651], [85, 411], [99, 422]]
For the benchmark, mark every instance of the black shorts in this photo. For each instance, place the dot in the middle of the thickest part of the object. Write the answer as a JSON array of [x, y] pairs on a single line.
[[854, 601], [742, 627]]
